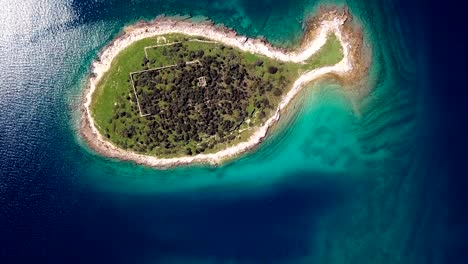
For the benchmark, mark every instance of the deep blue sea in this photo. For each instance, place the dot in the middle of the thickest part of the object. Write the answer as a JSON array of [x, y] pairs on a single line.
[[339, 180]]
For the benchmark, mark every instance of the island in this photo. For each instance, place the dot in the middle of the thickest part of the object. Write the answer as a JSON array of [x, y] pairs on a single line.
[[171, 91]]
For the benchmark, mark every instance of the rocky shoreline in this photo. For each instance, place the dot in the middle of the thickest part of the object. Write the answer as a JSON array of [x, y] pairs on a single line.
[[352, 68]]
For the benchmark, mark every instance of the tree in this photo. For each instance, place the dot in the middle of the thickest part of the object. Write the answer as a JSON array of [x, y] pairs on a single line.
[[272, 69], [188, 151], [277, 92]]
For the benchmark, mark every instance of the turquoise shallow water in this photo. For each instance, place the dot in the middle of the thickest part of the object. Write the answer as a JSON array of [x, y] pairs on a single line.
[[339, 181], [318, 147]]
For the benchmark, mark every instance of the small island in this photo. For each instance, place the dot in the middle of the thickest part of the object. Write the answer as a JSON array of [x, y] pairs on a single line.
[[171, 92]]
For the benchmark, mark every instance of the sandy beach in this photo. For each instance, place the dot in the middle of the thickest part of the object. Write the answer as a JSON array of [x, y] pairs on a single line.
[[326, 22]]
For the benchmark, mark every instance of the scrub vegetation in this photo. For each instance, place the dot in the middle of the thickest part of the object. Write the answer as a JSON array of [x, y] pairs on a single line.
[[192, 96]]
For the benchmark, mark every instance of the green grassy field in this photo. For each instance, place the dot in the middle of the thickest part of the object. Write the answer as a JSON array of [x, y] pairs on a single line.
[[186, 119]]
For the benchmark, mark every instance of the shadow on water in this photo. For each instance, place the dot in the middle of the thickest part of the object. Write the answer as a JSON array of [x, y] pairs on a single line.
[[224, 224], [248, 226]]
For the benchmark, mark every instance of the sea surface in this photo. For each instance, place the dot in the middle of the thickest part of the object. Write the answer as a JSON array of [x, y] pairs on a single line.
[[339, 180]]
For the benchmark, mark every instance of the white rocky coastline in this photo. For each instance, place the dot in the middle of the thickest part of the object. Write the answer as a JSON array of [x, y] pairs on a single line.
[[329, 24]]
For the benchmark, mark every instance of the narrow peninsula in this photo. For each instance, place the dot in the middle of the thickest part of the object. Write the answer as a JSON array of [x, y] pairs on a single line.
[[173, 92]]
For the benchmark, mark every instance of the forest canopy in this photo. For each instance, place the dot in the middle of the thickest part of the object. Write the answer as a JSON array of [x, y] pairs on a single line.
[[188, 96]]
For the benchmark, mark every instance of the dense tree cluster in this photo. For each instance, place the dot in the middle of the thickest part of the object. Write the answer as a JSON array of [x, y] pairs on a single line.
[[179, 112]]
